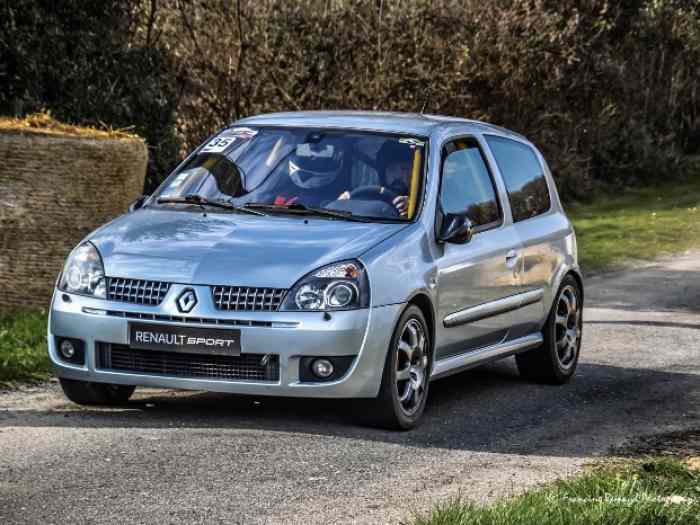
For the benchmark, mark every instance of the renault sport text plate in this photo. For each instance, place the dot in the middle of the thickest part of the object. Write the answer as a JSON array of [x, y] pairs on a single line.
[[185, 339]]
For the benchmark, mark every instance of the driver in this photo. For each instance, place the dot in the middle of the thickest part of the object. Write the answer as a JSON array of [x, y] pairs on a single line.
[[394, 162], [313, 174]]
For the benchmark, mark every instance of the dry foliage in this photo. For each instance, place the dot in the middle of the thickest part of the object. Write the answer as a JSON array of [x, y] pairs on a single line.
[[44, 124], [608, 89]]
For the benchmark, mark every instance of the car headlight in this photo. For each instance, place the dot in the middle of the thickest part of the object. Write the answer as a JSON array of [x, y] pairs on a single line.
[[338, 286], [84, 272]]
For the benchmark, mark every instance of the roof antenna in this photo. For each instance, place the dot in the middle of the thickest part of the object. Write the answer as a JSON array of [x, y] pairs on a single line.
[[426, 98]]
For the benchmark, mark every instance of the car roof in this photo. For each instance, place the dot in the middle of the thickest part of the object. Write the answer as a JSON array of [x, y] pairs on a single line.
[[390, 122]]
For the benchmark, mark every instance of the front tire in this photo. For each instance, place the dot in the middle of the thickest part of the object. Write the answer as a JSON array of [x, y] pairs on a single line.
[[404, 389], [554, 362], [87, 393]]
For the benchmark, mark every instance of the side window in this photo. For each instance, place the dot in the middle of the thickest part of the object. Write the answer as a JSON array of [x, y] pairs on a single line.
[[467, 186], [523, 177]]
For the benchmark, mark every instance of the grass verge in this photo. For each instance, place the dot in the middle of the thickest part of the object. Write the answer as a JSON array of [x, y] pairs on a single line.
[[23, 352], [643, 492], [640, 224]]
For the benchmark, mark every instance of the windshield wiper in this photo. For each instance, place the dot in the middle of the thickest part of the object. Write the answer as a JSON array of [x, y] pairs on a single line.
[[198, 200], [306, 210]]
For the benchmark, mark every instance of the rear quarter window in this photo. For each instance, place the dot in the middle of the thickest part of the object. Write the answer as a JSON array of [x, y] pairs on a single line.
[[523, 176]]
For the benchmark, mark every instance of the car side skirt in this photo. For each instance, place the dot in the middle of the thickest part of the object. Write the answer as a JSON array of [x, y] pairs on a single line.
[[458, 363]]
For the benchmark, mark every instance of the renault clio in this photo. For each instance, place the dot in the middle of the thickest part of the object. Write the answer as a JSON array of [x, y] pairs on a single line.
[[327, 254]]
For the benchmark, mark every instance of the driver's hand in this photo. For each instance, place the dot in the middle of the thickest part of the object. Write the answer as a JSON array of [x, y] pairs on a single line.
[[401, 203], [344, 196]]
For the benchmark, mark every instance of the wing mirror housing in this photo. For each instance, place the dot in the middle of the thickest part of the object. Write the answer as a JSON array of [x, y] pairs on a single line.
[[456, 229], [138, 203]]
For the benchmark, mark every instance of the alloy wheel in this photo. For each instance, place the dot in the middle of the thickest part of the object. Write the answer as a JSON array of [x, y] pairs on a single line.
[[411, 366], [567, 326]]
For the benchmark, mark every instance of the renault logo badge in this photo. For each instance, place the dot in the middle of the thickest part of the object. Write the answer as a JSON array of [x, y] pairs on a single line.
[[186, 301]]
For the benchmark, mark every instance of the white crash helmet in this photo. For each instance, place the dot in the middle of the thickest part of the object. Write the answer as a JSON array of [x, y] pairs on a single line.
[[315, 167]]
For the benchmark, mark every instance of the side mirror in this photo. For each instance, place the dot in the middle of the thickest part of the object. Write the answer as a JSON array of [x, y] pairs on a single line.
[[138, 203], [456, 228]]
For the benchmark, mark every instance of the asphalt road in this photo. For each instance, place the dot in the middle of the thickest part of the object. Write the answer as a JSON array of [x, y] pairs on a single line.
[[183, 457]]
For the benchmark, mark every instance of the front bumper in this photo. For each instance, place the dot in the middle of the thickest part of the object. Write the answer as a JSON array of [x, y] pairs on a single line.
[[290, 335]]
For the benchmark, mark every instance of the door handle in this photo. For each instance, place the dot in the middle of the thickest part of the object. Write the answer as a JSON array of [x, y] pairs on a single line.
[[512, 258]]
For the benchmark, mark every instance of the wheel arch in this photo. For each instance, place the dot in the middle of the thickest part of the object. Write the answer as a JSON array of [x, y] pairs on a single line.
[[576, 274], [423, 301], [564, 271]]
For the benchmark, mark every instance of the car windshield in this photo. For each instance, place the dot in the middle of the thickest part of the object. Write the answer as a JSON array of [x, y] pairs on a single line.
[[369, 175]]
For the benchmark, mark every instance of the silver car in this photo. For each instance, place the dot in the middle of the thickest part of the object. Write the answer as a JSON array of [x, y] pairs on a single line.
[[327, 254]]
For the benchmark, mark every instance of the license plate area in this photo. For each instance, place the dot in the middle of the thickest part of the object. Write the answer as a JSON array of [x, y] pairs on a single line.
[[185, 339]]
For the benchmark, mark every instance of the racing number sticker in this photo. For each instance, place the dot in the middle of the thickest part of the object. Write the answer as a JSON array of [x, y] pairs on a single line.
[[219, 144], [228, 137]]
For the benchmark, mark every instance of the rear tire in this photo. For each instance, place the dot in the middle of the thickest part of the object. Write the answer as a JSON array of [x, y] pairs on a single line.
[[406, 376], [554, 362], [87, 393]]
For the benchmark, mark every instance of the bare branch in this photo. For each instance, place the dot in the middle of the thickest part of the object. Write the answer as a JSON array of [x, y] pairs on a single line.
[[151, 22], [241, 51], [189, 28]]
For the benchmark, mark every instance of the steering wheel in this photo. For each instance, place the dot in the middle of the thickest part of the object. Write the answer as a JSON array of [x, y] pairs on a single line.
[[374, 193]]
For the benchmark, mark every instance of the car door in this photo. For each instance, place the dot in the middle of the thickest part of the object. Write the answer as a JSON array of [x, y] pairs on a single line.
[[474, 279], [537, 226]]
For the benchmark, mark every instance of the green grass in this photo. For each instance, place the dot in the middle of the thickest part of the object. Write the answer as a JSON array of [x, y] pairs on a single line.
[[649, 492], [23, 352], [639, 224]]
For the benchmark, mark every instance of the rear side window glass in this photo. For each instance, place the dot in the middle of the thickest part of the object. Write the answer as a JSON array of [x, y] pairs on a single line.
[[523, 177], [467, 186]]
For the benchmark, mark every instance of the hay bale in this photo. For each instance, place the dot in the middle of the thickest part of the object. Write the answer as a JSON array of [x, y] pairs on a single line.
[[56, 187]]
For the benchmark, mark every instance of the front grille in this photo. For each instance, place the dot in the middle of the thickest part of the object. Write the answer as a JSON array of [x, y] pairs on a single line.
[[201, 320], [246, 367], [242, 299], [136, 291]]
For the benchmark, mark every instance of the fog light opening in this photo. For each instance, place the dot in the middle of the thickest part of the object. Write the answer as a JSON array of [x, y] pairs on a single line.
[[322, 368], [67, 349]]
